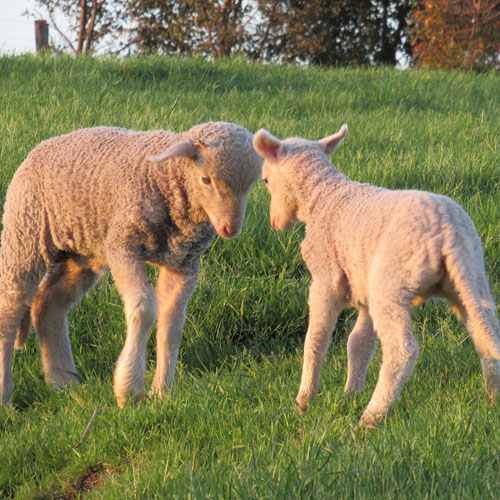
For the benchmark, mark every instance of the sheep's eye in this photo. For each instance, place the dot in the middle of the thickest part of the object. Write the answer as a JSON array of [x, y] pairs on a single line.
[[266, 181], [206, 180]]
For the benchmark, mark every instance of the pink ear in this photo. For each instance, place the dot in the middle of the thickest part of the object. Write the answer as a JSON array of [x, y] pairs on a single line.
[[267, 146], [184, 149], [331, 143]]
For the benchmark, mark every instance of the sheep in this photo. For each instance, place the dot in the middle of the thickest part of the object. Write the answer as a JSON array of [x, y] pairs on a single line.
[[381, 251], [108, 198]]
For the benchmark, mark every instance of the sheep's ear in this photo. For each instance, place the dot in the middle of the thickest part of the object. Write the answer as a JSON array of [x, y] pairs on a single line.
[[331, 143], [204, 145], [267, 146], [185, 149]]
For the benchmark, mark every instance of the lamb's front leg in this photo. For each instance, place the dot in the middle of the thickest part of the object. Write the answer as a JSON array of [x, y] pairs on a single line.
[[173, 291], [140, 312], [324, 308]]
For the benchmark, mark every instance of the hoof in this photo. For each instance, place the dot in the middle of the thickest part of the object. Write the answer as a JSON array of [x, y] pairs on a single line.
[[61, 379], [369, 421], [302, 403], [299, 410], [124, 399]]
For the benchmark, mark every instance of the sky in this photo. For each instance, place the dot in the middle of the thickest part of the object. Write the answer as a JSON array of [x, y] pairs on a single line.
[[17, 32]]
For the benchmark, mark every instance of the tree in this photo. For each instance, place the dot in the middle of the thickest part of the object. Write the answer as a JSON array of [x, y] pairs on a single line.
[[457, 34], [333, 31], [88, 23], [312, 31], [392, 22], [215, 28]]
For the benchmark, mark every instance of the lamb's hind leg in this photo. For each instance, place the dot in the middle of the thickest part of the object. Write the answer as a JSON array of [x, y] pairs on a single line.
[[392, 322], [477, 312], [18, 286], [361, 345], [13, 306], [64, 284], [491, 367]]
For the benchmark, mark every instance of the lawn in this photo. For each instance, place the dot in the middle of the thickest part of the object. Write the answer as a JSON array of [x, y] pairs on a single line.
[[229, 429]]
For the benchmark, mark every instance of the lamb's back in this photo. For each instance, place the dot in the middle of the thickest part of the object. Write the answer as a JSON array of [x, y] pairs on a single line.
[[76, 184], [398, 229]]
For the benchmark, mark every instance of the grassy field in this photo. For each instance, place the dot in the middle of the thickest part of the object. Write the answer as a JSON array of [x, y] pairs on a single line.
[[229, 429]]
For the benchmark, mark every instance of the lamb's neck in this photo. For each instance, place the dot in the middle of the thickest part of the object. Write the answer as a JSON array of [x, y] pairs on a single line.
[[173, 186], [319, 181]]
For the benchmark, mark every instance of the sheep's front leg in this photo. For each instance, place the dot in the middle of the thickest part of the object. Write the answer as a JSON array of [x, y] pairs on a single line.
[[324, 308], [140, 312], [173, 292], [360, 348]]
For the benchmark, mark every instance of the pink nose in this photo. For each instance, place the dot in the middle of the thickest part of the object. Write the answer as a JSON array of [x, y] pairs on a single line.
[[229, 231]]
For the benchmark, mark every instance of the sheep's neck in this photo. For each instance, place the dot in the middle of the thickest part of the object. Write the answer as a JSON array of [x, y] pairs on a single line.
[[318, 181], [175, 190]]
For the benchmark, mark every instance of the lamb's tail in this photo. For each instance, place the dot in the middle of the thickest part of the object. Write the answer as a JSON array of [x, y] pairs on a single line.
[[23, 331], [475, 305]]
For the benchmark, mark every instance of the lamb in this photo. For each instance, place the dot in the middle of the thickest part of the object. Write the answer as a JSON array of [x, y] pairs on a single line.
[[107, 198], [381, 251]]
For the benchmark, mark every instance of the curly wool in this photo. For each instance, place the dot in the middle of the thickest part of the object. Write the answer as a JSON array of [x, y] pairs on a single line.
[[112, 198], [94, 188], [381, 251]]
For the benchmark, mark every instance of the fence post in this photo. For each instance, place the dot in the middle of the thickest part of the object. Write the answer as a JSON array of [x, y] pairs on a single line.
[[41, 35]]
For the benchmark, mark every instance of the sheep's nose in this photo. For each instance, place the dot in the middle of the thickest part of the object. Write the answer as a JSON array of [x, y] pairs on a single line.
[[229, 231]]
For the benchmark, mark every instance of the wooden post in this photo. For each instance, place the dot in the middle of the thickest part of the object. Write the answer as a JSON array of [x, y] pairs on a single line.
[[41, 35]]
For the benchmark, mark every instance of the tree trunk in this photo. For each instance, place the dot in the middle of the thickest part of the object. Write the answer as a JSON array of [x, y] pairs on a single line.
[[96, 7], [83, 23]]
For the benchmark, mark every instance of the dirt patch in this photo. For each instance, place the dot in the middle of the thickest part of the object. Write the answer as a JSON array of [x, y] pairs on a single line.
[[92, 478]]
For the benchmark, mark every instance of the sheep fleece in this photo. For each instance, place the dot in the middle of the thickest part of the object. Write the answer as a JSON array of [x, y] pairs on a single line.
[[98, 198]]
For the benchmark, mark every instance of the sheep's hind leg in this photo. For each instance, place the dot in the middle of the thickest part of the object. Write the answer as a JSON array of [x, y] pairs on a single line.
[[173, 293], [324, 307], [361, 345], [64, 284], [13, 307], [480, 319], [140, 312], [491, 367], [18, 286], [392, 323]]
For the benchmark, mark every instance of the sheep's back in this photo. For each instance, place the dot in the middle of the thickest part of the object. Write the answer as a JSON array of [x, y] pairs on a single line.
[[71, 187]]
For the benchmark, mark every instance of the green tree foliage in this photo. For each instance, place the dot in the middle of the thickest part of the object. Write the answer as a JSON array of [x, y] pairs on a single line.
[[215, 28], [313, 31], [84, 24], [334, 31]]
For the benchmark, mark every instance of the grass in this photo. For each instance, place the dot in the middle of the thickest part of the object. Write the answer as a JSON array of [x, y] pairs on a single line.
[[229, 429]]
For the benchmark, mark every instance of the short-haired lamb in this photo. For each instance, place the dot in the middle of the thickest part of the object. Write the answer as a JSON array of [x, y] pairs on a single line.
[[381, 251], [98, 199]]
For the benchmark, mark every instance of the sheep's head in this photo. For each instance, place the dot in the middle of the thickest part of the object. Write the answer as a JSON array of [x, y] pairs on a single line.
[[279, 175], [224, 166]]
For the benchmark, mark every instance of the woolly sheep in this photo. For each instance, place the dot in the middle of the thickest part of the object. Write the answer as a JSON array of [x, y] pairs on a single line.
[[99, 199], [381, 251]]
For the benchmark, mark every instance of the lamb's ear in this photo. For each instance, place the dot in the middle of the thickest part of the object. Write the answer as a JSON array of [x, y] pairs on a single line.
[[267, 146], [185, 149], [204, 145], [331, 143]]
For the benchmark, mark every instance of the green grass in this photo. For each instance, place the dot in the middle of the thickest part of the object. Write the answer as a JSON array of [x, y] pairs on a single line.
[[229, 429]]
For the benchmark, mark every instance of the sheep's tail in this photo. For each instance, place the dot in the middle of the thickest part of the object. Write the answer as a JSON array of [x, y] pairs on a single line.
[[475, 305], [23, 331]]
